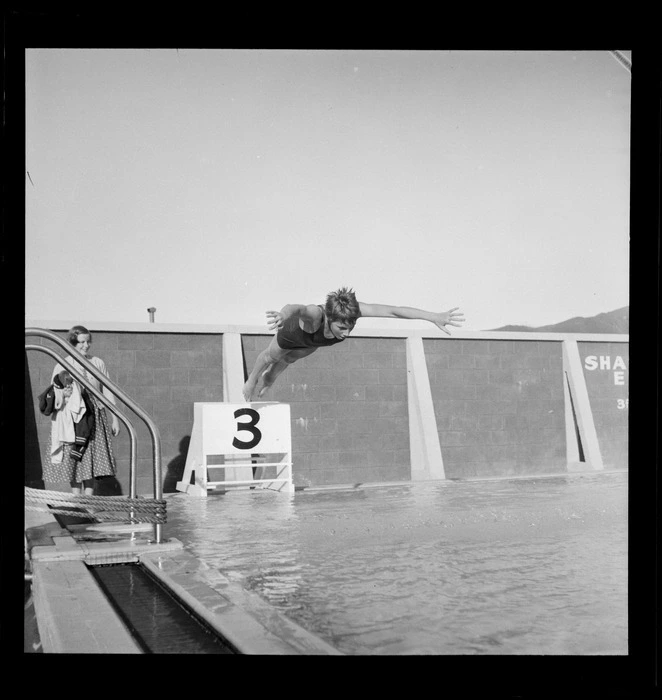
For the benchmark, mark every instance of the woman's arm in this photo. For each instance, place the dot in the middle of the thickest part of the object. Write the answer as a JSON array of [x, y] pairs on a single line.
[[67, 390], [441, 319], [101, 366]]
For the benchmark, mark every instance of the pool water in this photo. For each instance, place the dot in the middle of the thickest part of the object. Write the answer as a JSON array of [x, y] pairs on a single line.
[[519, 566]]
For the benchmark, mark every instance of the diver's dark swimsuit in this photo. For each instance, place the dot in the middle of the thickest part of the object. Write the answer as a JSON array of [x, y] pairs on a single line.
[[291, 336]]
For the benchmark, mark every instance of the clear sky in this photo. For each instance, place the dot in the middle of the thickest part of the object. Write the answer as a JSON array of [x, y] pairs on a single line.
[[217, 184]]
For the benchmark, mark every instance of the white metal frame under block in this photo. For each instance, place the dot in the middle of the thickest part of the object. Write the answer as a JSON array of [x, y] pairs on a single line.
[[242, 433]]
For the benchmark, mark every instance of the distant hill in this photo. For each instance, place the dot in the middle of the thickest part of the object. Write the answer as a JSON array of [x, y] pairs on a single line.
[[617, 321]]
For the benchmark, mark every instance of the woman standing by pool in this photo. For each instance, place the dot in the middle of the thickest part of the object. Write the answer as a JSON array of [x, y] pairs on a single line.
[[64, 461]]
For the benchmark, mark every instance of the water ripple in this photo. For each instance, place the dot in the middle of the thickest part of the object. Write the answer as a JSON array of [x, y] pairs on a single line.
[[486, 567]]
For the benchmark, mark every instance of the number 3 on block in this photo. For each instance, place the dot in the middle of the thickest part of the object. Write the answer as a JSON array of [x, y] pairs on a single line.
[[248, 427]]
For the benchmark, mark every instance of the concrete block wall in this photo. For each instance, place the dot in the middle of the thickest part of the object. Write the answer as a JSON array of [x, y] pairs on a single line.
[[498, 405], [164, 373], [349, 410], [498, 401], [606, 371]]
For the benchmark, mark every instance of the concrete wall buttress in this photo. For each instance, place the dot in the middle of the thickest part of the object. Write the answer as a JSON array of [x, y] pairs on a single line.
[[233, 368], [233, 384], [572, 367], [425, 450]]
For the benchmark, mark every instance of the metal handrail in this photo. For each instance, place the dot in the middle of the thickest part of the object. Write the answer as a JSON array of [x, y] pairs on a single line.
[[117, 391], [108, 404]]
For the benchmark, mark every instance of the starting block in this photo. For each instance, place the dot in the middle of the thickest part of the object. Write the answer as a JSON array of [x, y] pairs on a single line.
[[248, 444]]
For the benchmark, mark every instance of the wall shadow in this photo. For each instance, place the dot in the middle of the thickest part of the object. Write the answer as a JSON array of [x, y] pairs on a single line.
[[175, 468], [34, 474], [107, 486]]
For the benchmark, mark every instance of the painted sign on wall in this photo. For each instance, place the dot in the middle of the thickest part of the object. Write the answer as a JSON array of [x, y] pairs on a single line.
[[606, 371]]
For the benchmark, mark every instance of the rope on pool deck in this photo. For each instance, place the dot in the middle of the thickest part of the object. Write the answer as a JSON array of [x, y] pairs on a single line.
[[99, 508]]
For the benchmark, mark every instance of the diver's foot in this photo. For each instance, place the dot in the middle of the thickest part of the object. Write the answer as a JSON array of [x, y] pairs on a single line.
[[263, 384], [263, 391], [247, 391]]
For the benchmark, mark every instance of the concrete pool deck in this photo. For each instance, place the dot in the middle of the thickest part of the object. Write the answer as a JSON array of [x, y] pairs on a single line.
[[74, 616]]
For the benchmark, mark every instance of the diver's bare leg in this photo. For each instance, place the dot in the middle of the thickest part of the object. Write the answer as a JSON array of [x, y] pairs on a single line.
[[268, 377], [269, 357]]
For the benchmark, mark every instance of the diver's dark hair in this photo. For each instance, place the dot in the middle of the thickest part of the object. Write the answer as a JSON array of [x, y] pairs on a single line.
[[342, 306]]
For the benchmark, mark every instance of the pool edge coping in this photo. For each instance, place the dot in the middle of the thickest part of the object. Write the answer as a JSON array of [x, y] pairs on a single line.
[[249, 623]]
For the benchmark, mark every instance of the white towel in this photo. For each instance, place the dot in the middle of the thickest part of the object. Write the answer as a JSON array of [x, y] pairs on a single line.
[[69, 411]]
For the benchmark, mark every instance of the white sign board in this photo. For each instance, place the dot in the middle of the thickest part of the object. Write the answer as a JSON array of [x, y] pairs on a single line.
[[243, 428], [242, 433]]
